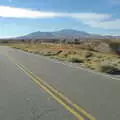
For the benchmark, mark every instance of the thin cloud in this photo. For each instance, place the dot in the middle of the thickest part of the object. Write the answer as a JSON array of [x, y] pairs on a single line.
[[90, 16], [12, 12], [91, 19], [109, 24]]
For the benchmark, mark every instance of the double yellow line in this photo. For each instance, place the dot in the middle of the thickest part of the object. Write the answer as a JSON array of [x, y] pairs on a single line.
[[73, 108]]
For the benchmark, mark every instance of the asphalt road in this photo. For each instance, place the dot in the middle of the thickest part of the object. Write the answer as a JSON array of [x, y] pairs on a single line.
[[21, 98]]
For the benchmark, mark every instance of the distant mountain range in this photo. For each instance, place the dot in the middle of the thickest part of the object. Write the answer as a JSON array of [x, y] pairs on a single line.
[[64, 33]]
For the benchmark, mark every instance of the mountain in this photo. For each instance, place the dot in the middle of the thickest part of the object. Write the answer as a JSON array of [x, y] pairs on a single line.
[[64, 33], [38, 34], [71, 33]]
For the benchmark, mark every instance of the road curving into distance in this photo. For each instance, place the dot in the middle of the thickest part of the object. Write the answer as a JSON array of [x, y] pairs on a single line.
[[78, 94]]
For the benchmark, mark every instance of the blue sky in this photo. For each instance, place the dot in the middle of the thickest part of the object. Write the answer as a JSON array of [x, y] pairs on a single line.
[[19, 17]]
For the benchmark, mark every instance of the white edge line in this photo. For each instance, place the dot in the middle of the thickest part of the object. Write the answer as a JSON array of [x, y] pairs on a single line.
[[84, 69], [97, 73]]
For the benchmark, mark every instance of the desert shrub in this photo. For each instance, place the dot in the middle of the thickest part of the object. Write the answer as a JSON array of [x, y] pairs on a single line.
[[76, 60], [37, 52], [50, 53], [99, 56], [88, 59], [4, 41], [58, 52], [108, 69], [118, 56], [46, 53], [88, 54]]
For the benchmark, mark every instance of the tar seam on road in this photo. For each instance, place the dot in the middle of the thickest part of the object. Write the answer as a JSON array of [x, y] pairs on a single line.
[[73, 108]]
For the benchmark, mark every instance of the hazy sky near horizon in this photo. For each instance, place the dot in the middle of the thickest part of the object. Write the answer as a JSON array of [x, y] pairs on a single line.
[[19, 17]]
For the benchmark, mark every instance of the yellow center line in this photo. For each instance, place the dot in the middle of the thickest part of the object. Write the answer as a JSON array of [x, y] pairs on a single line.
[[54, 96], [60, 101], [62, 96]]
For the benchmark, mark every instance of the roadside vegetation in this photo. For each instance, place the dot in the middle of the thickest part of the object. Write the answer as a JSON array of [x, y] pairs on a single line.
[[89, 55]]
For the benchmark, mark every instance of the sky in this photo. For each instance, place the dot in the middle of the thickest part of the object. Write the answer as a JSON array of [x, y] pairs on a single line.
[[20, 17]]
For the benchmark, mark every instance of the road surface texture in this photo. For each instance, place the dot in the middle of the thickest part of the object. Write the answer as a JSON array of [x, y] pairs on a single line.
[[21, 98]]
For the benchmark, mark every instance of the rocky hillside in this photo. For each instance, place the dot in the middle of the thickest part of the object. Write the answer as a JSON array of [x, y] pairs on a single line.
[[101, 46]]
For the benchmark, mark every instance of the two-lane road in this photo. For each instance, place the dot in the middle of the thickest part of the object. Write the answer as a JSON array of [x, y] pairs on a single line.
[[21, 98]]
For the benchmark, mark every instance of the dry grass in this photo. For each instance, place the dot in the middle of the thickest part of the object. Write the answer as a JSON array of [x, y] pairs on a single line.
[[72, 53]]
